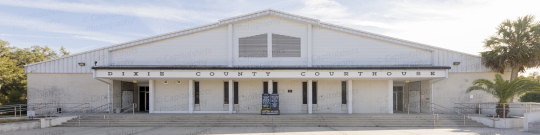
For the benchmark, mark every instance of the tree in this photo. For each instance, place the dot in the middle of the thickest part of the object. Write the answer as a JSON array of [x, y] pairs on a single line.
[[12, 61], [535, 76], [516, 45], [63, 51], [504, 89]]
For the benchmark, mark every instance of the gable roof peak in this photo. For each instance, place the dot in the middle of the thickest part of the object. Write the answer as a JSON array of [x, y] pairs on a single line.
[[268, 12]]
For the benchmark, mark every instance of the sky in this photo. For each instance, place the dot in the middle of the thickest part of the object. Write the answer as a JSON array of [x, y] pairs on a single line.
[[460, 25]]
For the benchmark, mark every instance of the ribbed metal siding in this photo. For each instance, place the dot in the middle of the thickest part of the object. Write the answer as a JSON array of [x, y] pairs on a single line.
[[285, 46], [254, 46]]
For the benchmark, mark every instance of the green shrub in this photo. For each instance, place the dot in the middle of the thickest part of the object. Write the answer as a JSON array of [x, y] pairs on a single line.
[[530, 97], [15, 96]]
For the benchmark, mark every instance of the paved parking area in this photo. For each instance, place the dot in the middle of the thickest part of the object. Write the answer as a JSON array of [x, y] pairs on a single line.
[[267, 131]]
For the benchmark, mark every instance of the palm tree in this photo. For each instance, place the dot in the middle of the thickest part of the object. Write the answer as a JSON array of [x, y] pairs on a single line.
[[516, 45], [504, 89]]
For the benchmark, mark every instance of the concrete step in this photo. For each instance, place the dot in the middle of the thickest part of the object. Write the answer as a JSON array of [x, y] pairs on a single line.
[[267, 125], [268, 121]]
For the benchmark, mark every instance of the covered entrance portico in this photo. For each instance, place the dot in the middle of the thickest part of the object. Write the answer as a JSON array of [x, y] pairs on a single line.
[[302, 90]]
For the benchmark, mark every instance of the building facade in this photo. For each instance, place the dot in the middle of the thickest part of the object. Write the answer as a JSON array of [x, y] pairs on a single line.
[[225, 67]]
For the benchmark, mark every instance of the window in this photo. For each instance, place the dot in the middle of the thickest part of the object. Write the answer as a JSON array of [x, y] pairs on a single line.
[[285, 46], [304, 92], [226, 94], [235, 92], [196, 92], [265, 87], [343, 92], [254, 46], [274, 87], [257, 46], [314, 92]]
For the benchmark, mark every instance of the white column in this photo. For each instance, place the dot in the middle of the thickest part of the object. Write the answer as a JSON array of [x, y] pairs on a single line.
[[309, 96], [230, 45], [191, 96], [231, 96], [431, 98], [309, 45], [390, 96], [151, 95], [270, 87], [349, 96]]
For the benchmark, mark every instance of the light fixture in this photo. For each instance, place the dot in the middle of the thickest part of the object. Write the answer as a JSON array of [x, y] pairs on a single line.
[[456, 63], [406, 81], [81, 64], [178, 82], [165, 82], [134, 81]]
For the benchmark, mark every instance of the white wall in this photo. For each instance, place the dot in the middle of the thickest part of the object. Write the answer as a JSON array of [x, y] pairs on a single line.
[[290, 102], [171, 96], [532, 117], [203, 48], [207, 45], [211, 95], [453, 90], [116, 91], [65, 88], [270, 25], [329, 96], [249, 96], [332, 47], [370, 96]]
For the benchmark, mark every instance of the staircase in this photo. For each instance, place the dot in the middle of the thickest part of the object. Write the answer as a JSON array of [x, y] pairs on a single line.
[[239, 120]]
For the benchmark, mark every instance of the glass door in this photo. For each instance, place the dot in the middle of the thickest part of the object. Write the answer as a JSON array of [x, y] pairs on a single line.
[[398, 98], [144, 98]]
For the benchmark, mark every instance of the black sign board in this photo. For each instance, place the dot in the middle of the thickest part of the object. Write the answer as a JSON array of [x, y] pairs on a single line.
[[270, 104], [265, 101], [274, 101]]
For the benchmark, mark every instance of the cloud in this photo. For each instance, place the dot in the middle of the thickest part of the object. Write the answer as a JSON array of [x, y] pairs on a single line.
[[140, 10], [459, 25], [24, 24], [323, 9]]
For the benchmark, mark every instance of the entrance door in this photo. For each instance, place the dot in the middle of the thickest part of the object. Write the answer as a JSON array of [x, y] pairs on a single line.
[[395, 101], [146, 100], [144, 97], [398, 98]]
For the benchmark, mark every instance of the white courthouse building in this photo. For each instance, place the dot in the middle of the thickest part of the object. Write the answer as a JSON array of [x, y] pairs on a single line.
[[225, 67]]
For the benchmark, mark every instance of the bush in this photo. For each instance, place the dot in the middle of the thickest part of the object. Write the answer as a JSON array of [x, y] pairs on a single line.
[[15, 96], [530, 97]]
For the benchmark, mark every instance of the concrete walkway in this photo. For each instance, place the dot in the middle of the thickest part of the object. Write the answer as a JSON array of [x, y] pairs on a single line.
[[267, 131]]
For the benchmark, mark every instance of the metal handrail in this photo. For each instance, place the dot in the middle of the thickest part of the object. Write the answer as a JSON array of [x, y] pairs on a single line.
[[7, 109], [109, 106], [435, 116], [134, 105], [528, 107], [63, 110], [458, 116], [60, 109]]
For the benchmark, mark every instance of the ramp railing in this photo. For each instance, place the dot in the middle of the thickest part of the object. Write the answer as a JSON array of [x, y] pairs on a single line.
[[56, 109], [490, 108], [14, 108]]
